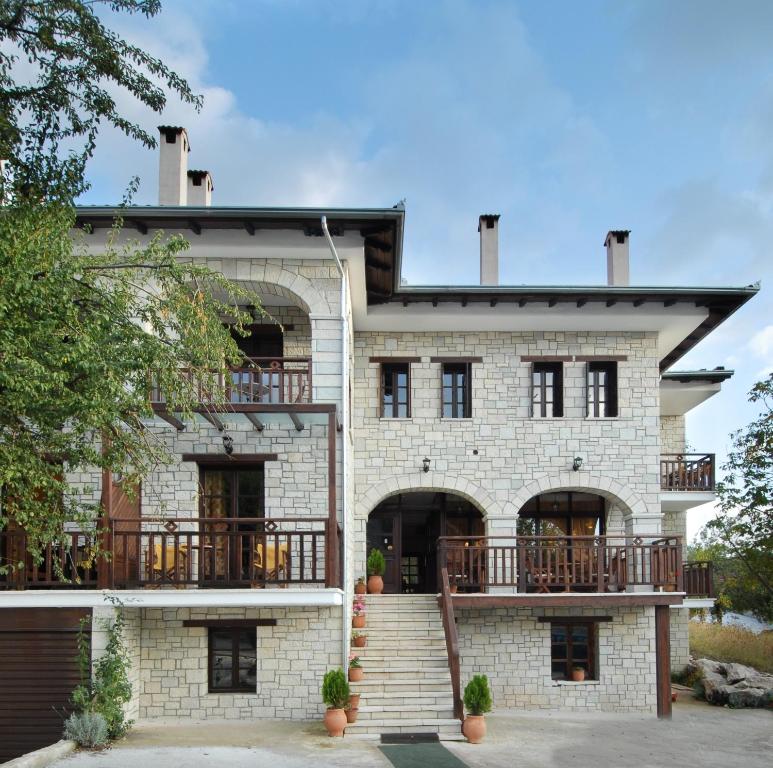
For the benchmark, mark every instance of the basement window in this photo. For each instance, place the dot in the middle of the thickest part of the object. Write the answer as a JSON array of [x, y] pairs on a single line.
[[232, 660], [572, 644]]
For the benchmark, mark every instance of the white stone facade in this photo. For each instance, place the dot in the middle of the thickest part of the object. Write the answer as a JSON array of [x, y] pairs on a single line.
[[512, 648]]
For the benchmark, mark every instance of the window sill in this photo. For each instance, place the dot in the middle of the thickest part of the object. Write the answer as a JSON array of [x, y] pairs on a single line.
[[395, 418], [559, 683], [454, 419]]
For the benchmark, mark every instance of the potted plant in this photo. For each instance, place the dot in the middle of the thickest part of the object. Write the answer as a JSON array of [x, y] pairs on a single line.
[[359, 587], [359, 640], [477, 701], [335, 693], [358, 615], [356, 672], [578, 674], [353, 708], [376, 567]]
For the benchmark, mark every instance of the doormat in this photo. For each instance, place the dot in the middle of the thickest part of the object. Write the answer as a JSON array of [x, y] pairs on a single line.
[[421, 756]]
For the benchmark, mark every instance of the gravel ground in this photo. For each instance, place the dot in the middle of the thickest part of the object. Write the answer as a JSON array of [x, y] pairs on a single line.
[[698, 735]]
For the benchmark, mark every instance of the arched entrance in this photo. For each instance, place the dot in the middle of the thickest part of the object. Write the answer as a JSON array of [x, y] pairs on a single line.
[[563, 513], [406, 527]]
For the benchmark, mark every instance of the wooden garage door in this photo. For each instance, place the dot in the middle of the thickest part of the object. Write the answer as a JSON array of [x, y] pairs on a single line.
[[38, 672]]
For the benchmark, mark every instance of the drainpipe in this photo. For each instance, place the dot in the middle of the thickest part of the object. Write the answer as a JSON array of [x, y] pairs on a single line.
[[346, 628]]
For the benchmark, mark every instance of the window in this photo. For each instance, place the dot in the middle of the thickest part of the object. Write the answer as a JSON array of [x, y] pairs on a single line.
[[395, 390], [547, 398], [457, 399], [602, 389], [563, 513], [232, 492], [572, 644], [232, 659]]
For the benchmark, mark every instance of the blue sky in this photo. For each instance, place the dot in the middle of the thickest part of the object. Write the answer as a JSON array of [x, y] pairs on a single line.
[[568, 118]]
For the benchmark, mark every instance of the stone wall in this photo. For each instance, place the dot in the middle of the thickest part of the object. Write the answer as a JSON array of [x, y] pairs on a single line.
[[292, 658], [502, 456], [680, 638], [512, 648], [672, 434]]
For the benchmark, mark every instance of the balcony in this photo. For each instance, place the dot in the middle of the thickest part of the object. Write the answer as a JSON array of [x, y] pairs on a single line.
[[546, 565], [699, 579], [183, 553], [689, 472], [262, 380]]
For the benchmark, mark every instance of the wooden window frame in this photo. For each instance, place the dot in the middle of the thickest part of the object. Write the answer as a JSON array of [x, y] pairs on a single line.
[[539, 514], [205, 467], [466, 400], [592, 673], [595, 408], [236, 632], [394, 367], [556, 407]]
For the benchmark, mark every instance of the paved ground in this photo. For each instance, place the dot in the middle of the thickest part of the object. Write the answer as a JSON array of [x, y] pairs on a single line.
[[698, 735]]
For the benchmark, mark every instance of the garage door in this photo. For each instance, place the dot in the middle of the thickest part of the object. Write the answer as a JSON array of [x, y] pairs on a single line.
[[38, 672]]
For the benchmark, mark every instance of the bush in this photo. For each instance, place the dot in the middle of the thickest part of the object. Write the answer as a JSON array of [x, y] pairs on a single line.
[[335, 689], [376, 563], [88, 729], [477, 696]]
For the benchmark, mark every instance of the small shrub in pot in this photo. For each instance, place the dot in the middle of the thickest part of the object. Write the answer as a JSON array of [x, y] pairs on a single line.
[[477, 701], [376, 568], [335, 693]]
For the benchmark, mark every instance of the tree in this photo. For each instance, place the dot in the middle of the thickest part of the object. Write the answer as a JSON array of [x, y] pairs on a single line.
[[743, 527], [60, 70], [83, 334]]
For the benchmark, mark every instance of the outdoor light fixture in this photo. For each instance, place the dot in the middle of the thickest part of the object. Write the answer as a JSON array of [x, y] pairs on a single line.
[[425, 464], [577, 463], [228, 444]]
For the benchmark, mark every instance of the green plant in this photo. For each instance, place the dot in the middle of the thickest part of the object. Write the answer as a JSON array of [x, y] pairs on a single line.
[[106, 690], [335, 689], [354, 661], [88, 729], [477, 696], [376, 563], [361, 581], [356, 635]]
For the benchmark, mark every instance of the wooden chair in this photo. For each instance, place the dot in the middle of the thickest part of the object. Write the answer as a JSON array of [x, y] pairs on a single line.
[[165, 566], [270, 565]]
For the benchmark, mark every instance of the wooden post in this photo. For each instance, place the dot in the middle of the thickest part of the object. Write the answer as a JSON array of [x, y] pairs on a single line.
[[663, 660], [105, 523], [521, 564]]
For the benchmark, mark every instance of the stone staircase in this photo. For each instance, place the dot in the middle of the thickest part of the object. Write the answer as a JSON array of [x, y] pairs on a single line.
[[407, 685]]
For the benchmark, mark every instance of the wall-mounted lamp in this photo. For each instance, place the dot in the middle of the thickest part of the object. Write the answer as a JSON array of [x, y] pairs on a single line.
[[228, 444], [425, 464], [577, 463]]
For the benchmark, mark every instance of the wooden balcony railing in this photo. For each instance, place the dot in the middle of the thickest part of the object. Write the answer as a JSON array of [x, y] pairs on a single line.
[[183, 552], [270, 380], [687, 472], [699, 579], [562, 564]]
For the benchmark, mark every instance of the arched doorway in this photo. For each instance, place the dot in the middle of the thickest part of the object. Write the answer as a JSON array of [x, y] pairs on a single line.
[[563, 513], [406, 527]]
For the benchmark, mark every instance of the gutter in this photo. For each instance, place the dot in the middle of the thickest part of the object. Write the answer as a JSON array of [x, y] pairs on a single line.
[[345, 628]]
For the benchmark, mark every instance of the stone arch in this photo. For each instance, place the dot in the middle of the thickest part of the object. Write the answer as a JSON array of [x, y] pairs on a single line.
[[435, 482], [621, 495], [277, 280]]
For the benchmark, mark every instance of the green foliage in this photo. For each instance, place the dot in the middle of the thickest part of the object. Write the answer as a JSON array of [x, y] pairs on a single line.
[[106, 691], [335, 689], [376, 563], [61, 72], [87, 729], [739, 540], [477, 696], [82, 335]]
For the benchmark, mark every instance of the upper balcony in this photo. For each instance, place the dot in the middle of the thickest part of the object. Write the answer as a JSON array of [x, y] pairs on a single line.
[[686, 480]]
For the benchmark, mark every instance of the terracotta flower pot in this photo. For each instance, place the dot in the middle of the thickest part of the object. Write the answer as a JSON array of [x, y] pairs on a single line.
[[351, 714], [474, 728], [360, 589], [335, 722], [578, 675], [375, 585], [452, 588], [359, 642], [358, 622], [354, 700], [356, 674]]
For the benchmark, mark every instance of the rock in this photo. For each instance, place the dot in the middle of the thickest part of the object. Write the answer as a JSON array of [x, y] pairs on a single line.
[[736, 672], [742, 696]]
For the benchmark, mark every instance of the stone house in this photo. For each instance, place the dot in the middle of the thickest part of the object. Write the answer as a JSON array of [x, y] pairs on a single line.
[[517, 453]]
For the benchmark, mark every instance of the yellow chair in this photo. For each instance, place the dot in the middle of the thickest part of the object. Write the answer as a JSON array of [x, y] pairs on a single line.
[[270, 567], [167, 567]]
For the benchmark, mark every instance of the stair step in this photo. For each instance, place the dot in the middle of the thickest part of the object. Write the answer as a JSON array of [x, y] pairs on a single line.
[[405, 684], [375, 698], [447, 730], [422, 707], [393, 673]]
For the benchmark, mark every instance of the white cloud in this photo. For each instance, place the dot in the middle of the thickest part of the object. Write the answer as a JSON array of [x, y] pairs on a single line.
[[761, 344]]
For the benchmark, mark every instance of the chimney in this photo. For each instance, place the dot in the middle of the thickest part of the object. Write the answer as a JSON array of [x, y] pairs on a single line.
[[488, 226], [200, 188], [617, 256], [173, 166]]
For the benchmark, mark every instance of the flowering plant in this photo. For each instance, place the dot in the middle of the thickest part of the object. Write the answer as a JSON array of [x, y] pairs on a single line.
[[354, 661], [358, 608]]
